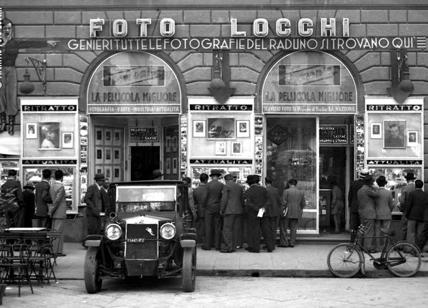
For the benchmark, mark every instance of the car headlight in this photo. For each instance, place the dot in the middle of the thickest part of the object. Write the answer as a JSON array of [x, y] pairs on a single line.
[[167, 231], [113, 232]]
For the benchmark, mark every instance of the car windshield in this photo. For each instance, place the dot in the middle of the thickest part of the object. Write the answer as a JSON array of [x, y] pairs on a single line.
[[134, 199]]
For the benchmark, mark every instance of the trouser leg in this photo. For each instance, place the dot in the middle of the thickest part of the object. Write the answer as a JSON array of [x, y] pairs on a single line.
[[293, 230], [354, 222], [368, 236], [228, 221], [283, 237], [403, 227], [274, 226], [253, 232], [267, 233], [411, 231], [237, 231], [208, 230], [58, 242], [423, 237], [200, 229]]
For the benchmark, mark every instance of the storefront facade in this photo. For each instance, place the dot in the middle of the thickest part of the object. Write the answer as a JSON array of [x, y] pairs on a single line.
[[284, 92]]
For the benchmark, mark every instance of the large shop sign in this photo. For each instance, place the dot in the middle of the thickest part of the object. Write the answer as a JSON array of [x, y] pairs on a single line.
[[130, 83], [286, 34], [309, 82]]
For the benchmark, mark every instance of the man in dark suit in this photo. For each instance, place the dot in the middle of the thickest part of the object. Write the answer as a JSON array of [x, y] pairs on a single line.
[[416, 204], [293, 200], [94, 205], [271, 217], [255, 198], [231, 209], [212, 212], [43, 198], [200, 195], [29, 205], [354, 216], [12, 192], [367, 209]]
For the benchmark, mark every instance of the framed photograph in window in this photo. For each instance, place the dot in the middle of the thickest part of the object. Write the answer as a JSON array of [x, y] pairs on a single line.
[[199, 129], [31, 130], [67, 140], [376, 131], [99, 155], [221, 128], [242, 128], [412, 138], [236, 148], [98, 135], [220, 148], [49, 136], [394, 134], [116, 137]]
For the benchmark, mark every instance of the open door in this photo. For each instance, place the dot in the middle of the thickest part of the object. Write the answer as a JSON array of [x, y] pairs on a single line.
[[144, 159]]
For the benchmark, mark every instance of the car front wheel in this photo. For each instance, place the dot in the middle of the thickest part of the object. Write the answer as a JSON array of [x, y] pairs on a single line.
[[189, 269], [93, 281]]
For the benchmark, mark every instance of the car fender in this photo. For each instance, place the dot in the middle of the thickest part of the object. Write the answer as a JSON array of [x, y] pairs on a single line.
[[93, 240], [188, 243]]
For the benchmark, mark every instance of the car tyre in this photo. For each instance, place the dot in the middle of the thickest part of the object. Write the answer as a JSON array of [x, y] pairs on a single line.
[[93, 281], [189, 269]]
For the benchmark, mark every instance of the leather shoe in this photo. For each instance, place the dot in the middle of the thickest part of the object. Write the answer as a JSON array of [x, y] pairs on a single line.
[[205, 248]]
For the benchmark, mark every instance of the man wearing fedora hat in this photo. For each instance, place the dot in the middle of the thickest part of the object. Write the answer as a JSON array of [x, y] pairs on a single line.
[[212, 212], [94, 204], [410, 178]]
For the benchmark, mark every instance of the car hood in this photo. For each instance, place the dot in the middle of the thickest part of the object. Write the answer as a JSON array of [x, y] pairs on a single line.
[[146, 219]]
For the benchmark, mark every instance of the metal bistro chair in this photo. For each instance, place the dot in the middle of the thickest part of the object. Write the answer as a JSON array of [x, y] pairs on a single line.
[[15, 265], [41, 265]]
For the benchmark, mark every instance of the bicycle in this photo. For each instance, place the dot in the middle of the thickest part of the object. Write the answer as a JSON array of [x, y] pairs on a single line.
[[401, 258]]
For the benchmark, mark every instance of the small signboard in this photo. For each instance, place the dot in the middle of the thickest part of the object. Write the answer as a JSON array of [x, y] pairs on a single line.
[[334, 134], [144, 134]]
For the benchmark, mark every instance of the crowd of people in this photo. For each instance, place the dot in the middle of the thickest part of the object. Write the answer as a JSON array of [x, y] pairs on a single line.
[[42, 205], [229, 216], [372, 205]]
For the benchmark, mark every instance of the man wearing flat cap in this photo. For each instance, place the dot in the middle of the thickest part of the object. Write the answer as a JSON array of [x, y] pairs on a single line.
[[212, 212], [405, 192], [354, 218], [94, 204]]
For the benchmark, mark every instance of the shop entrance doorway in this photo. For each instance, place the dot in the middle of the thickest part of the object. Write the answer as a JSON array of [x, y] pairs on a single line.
[[333, 171], [144, 159]]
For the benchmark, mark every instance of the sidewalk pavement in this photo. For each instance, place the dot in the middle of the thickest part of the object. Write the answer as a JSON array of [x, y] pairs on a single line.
[[304, 260]]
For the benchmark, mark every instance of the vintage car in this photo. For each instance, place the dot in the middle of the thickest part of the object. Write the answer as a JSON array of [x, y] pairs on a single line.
[[148, 235]]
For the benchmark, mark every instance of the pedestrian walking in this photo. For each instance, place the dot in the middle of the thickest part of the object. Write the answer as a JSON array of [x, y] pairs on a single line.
[[354, 217], [212, 212], [93, 202], [255, 198], [367, 209], [274, 210], [200, 196], [293, 201], [416, 204], [384, 206], [230, 210], [58, 211], [410, 178], [28, 198], [337, 204], [11, 203], [43, 199]]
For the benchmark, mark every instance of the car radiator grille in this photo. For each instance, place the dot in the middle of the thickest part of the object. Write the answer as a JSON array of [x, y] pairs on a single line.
[[141, 241]]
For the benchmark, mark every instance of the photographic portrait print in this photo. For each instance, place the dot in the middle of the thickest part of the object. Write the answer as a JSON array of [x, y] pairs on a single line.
[[49, 135], [412, 138], [31, 130], [236, 147], [394, 134], [242, 128], [220, 148], [67, 140], [376, 131], [199, 129], [221, 128]]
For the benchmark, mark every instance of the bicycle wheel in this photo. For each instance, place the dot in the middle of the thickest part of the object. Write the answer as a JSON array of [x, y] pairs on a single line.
[[403, 259], [344, 260]]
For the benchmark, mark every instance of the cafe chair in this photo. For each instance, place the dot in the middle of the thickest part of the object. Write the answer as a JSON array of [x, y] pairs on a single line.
[[15, 265], [41, 265]]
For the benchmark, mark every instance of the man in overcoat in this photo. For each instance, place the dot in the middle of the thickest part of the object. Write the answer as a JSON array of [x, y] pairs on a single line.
[[367, 210], [255, 198], [94, 205], [384, 206], [293, 200], [212, 212], [58, 212], [231, 209], [200, 195], [43, 198], [273, 211], [416, 204], [11, 190], [354, 216]]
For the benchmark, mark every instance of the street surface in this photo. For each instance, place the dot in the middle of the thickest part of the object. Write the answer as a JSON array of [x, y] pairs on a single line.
[[230, 292]]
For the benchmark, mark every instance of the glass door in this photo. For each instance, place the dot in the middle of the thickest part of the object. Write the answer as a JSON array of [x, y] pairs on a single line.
[[291, 153]]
